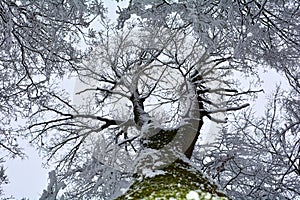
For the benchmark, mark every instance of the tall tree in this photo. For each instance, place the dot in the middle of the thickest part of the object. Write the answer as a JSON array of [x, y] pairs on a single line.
[[147, 101], [257, 34], [146, 88]]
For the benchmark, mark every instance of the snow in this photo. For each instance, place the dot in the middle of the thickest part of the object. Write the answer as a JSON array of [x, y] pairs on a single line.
[[148, 173], [192, 195]]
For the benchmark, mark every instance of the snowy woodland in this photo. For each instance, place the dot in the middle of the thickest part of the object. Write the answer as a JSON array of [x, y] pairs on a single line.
[[146, 87]]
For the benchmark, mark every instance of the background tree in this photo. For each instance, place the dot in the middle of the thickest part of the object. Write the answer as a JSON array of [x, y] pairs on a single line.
[[38, 48], [3, 178], [257, 157]]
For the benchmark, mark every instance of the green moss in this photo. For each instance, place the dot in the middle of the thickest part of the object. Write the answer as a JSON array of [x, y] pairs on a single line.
[[177, 181]]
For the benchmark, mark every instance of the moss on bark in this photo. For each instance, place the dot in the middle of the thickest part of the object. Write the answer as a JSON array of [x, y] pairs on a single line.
[[178, 181]]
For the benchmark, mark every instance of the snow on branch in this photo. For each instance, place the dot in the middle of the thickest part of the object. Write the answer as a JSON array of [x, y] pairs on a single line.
[[222, 110], [53, 188]]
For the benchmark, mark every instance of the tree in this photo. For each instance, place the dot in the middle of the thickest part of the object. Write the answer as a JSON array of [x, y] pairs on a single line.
[[3, 178], [258, 157], [257, 34], [159, 76], [38, 47], [147, 87]]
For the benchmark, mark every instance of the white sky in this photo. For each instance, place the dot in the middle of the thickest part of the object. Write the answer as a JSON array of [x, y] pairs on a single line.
[[27, 178]]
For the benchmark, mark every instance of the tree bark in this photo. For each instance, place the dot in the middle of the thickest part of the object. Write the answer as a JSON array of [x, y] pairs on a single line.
[[179, 180]]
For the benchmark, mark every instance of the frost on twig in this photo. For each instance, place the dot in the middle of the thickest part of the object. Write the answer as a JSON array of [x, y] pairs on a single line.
[[53, 188]]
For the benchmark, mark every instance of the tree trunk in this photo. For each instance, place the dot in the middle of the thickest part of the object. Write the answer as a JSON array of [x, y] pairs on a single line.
[[161, 173], [179, 180]]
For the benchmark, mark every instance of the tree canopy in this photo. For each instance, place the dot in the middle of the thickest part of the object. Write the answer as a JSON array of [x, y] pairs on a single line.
[[146, 87]]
